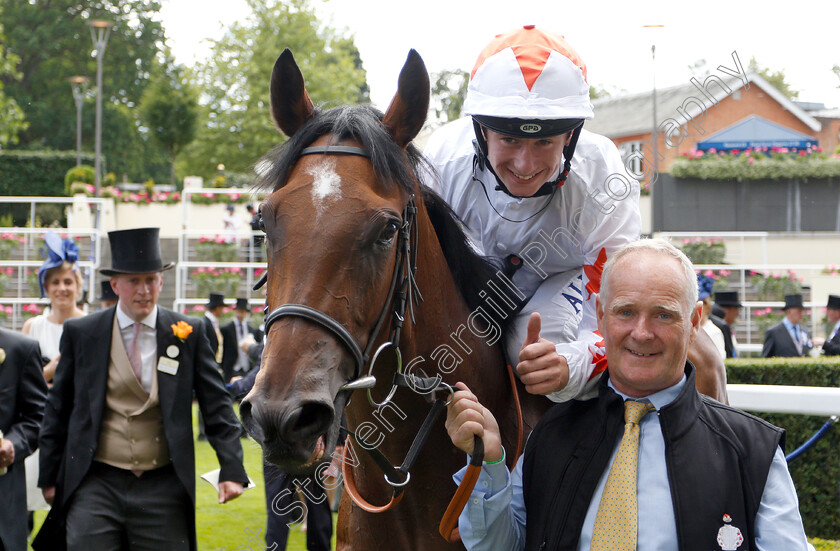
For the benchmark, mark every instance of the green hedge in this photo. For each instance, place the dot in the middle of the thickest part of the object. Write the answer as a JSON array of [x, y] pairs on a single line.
[[816, 473], [35, 173], [771, 169]]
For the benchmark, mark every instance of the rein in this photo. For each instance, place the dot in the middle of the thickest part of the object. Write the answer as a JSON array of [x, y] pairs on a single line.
[[401, 294]]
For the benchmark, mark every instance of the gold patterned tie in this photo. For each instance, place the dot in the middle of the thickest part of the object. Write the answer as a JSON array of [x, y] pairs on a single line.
[[616, 522]]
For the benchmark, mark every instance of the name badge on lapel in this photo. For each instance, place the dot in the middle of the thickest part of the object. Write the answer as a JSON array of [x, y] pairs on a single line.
[[168, 365]]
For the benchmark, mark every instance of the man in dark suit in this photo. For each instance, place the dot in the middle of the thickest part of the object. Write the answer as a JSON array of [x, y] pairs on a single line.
[[788, 338], [23, 393], [831, 346], [212, 324], [117, 457], [724, 315], [235, 361]]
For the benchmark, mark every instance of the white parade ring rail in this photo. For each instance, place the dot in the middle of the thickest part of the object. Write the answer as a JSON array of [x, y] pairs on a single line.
[[804, 400]]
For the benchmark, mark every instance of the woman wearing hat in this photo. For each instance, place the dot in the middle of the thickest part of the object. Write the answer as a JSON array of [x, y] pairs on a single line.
[[61, 281]]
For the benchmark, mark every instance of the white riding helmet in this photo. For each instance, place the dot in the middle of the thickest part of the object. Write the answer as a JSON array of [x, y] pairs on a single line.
[[529, 83], [530, 75]]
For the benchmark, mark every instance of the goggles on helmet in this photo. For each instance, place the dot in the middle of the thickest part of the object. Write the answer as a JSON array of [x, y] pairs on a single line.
[[527, 128]]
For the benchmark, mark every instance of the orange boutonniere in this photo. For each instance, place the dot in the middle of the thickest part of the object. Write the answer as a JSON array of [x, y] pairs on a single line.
[[182, 330]]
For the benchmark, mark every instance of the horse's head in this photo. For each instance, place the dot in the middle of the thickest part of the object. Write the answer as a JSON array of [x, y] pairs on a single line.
[[333, 223]]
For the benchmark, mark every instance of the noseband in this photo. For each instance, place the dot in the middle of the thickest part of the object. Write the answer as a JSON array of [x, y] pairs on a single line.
[[401, 294]]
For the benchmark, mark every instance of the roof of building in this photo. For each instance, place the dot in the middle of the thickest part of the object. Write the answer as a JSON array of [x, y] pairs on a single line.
[[630, 114]]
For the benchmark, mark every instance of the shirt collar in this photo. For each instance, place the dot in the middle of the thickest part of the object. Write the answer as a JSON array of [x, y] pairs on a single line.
[[788, 324], [659, 399], [125, 321]]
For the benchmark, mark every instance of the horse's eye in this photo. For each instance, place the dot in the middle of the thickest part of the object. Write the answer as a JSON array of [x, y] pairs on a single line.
[[388, 233]]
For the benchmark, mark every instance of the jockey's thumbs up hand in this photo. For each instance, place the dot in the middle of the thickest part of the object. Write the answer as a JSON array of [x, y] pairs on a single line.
[[541, 369], [534, 326], [466, 418]]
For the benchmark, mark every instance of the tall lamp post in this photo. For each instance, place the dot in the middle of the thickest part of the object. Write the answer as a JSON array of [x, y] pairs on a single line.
[[654, 135], [99, 32], [79, 86]]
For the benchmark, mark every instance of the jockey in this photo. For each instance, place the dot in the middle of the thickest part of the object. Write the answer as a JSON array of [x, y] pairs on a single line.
[[538, 192]]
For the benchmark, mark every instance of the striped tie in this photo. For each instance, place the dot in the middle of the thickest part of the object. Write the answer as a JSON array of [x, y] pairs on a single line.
[[616, 523]]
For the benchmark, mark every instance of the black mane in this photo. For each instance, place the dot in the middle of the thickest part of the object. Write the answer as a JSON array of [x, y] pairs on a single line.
[[470, 271]]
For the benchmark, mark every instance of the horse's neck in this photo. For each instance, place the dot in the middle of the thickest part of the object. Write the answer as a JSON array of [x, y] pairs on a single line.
[[444, 320]]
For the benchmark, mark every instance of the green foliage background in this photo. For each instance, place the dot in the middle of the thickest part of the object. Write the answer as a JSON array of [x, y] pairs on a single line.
[[235, 126], [35, 173], [816, 473]]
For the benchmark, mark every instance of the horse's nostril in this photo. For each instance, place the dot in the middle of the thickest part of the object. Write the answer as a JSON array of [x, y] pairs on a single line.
[[245, 410], [309, 420]]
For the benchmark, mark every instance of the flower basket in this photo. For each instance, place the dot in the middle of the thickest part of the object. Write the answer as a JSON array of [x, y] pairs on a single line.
[[702, 251], [5, 313], [31, 310], [216, 280], [775, 286], [216, 250], [5, 275], [9, 243]]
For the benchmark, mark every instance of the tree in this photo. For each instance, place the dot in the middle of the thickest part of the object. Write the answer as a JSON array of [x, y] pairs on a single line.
[[169, 109], [449, 90], [235, 127], [777, 79], [52, 40], [11, 116]]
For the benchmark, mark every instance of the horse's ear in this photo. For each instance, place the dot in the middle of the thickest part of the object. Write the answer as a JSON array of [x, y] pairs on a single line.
[[407, 112], [290, 104]]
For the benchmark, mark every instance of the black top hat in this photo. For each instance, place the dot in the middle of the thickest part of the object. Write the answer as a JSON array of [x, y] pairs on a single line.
[[135, 251], [793, 301], [242, 304], [107, 291], [833, 302], [216, 299], [727, 298]]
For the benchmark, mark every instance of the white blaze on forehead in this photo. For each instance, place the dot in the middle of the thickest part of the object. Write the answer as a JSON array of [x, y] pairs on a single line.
[[326, 185]]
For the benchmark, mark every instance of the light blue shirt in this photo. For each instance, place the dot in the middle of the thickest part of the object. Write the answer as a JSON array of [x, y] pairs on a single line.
[[799, 340], [494, 518]]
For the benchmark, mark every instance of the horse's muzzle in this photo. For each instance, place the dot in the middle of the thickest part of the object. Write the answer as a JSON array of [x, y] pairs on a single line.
[[288, 433]]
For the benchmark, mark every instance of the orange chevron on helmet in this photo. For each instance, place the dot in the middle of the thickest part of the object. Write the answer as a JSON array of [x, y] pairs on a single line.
[[532, 48], [529, 74]]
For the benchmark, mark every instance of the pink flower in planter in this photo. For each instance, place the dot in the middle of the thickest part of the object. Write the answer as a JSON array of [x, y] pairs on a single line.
[[235, 196], [725, 273], [802, 153], [208, 195], [750, 160], [698, 154]]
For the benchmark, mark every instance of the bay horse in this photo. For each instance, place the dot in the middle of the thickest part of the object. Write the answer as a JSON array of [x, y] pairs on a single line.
[[350, 236]]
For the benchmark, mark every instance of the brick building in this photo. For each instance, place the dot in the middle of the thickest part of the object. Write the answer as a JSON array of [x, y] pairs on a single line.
[[690, 113]]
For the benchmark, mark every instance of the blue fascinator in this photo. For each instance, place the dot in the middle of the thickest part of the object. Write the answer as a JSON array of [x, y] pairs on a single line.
[[704, 286], [59, 251]]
